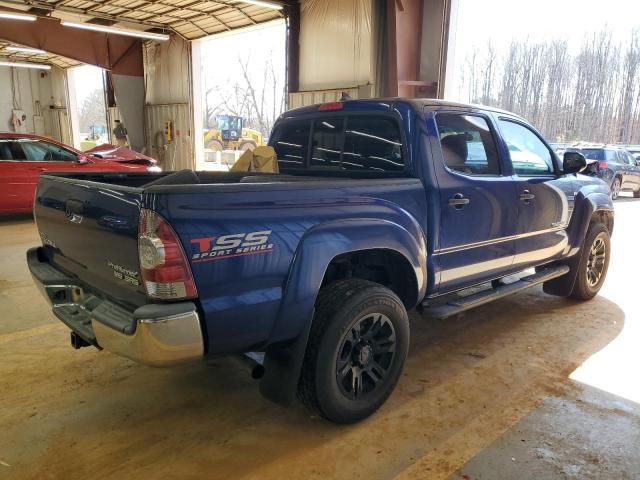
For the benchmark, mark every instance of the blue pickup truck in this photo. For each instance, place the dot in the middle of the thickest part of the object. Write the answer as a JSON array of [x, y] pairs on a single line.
[[380, 206]]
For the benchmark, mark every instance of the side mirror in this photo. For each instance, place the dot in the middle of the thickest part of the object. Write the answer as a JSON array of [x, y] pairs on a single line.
[[638, 162], [573, 162]]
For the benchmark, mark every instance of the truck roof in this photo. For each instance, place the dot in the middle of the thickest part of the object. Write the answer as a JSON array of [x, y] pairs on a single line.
[[386, 103]]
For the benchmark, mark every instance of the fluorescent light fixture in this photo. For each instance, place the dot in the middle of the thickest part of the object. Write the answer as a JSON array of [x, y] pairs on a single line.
[[35, 51], [161, 37], [39, 66], [18, 16], [264, 3]]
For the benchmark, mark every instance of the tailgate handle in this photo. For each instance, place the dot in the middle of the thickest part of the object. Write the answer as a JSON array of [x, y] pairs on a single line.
[[73, 210]]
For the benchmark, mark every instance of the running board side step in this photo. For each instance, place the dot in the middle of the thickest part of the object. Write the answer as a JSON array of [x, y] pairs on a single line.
[[462, 303]]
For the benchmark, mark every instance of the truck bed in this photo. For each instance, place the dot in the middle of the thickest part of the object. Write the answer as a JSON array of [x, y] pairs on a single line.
[[100, 249]]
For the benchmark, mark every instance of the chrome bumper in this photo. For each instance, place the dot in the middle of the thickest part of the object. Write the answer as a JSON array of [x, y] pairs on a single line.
[[156, 334]]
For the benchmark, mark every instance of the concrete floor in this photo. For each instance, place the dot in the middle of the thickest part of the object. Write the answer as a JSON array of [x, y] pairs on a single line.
[[531, 386]]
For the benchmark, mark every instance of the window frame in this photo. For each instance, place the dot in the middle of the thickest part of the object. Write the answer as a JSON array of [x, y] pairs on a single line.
[[314, 116], [492, 132], [554, 158]]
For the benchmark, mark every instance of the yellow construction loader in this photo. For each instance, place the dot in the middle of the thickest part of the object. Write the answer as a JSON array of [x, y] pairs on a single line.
[[230, 135]]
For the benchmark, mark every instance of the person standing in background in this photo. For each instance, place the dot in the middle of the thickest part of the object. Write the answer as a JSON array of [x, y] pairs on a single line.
[[120, 133]]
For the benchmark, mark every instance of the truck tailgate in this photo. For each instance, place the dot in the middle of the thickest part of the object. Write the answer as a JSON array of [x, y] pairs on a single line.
[[90, 231]]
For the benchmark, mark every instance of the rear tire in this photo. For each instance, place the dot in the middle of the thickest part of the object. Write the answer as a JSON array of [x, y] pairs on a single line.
[[615, 188], [356, 351], [594, 263], [636, 193]]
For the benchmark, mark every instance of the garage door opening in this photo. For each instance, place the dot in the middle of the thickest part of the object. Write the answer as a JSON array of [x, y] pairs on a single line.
[[242, 85], [87, 105]]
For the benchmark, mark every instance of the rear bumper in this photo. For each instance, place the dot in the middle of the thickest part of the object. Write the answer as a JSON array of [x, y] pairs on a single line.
[[154, 334]]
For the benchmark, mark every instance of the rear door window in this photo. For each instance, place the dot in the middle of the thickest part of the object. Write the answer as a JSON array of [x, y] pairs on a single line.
[[10, 149], [468, 146], [610, 156], [622, 157]]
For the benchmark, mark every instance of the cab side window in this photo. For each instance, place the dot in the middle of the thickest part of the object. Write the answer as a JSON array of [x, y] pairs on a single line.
[[467, 144], [529, 155]]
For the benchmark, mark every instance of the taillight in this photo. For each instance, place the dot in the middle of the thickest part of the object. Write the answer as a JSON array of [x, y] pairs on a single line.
[[165, 270], [328, 107], [603, 164]]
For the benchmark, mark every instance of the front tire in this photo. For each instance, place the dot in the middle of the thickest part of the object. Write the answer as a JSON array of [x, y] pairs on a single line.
[[215, 145], [356, 351], [593, 264]]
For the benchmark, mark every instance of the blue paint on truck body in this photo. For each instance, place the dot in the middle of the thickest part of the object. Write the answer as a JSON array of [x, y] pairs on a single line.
[[248, 302]]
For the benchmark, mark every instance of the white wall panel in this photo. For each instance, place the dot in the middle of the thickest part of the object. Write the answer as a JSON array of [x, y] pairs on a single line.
[[335, 44], [167, 69], [32, 93], [168, 96]]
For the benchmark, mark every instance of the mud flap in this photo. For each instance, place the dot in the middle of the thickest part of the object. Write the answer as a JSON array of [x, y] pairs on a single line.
[[563, 286], [282, 367]]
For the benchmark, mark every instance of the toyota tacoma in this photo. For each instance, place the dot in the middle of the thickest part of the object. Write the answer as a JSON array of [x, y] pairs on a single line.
[[379, 207]]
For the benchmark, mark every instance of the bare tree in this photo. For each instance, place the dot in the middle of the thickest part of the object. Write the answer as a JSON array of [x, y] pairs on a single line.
[[257, 95], [92, 111], [630, 89], [593, 95]]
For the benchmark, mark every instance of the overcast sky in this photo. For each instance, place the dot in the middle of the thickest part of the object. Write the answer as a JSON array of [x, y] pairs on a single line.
[[87, 79], [220, 53], [504, 20]]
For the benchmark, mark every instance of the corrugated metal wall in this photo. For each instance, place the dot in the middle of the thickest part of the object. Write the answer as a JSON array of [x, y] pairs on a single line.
[[312, 97], [177, 154], [168, 97]]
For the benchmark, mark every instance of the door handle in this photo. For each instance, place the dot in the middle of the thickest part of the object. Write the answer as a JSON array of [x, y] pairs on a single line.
[[526, 196], [458, 201]]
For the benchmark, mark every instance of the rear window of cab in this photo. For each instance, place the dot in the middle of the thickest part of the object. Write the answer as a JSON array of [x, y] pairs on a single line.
[[347, 143]]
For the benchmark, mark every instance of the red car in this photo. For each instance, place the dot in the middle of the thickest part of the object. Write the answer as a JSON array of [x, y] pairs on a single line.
[[24, 157]]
